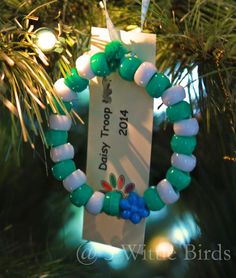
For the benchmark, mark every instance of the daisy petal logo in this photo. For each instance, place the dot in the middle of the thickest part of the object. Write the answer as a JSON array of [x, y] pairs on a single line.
[[117, 184]]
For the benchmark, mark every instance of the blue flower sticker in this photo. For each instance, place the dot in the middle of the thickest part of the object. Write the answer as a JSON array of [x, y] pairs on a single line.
[[133, 208]]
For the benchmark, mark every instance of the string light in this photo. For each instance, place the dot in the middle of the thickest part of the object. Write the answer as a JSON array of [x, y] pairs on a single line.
[[45, 39], [164, 249], [159, 248]]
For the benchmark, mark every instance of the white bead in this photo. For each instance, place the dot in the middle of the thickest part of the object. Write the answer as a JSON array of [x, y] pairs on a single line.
[[95, 203], [83, 66], [74, 180], [166, 192], [144, 73], [62, 152], [183, 162], [187, 127], [60, 122], [173, 95], [63, 91]]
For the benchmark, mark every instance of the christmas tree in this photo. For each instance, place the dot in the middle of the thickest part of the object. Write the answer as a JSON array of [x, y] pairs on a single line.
[[40, 231]]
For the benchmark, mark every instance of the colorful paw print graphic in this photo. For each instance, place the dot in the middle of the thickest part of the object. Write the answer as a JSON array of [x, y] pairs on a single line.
[[133, 208], [117, 185]]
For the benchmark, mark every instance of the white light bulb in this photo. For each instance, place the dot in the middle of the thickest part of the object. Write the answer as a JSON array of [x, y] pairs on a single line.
[[45, 39], [164, 250]]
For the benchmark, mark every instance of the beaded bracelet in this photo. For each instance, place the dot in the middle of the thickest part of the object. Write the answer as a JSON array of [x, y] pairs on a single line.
[[113, 201]]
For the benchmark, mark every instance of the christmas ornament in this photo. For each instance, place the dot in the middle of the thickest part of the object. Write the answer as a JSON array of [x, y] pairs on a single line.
[[116, 198]]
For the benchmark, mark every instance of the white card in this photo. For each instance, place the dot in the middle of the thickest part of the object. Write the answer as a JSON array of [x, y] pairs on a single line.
[[119, 139]]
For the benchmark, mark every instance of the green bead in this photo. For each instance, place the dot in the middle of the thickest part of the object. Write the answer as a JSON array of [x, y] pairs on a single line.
[[183, 144], [178, 112], [128, 67], [111, 205], [75, 82], [152, 199], [178, 179], [99, 64], [114, 52], [157, 85], [63, 169], [67, 106], [106, 203], [56, 137], [81, 195]]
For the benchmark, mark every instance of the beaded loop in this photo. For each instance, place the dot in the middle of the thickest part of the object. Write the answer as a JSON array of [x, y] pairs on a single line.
[[157, 85], [167, 193], [75, 82], [81, 195], [128, 66], [183, 162], [114, 52], [99, 64], [183, 142], [179, 179], [83, 66], [187, 127], [60, 122], [63, 169], [95, 203], [144, 74], [173, 95], [74, 180], [63, 91], [62, 152]]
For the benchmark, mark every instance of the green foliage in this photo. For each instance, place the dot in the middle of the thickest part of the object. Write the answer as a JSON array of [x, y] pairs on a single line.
[[190, 34], [26, 72], [200, 34]]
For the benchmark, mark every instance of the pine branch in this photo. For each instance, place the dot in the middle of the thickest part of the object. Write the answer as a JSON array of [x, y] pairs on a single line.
[[200, 33], [27, 73]]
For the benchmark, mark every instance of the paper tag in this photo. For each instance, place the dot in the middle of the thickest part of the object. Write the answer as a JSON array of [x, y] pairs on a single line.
[[119, 139]]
